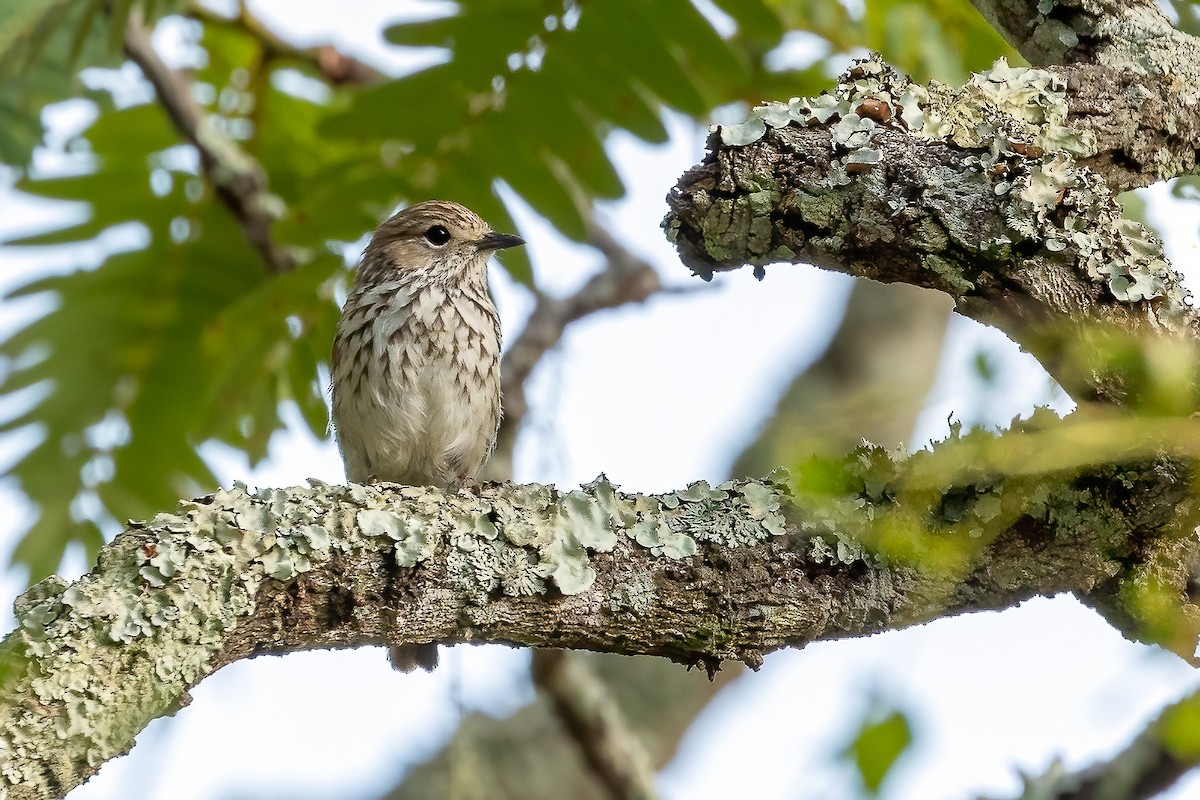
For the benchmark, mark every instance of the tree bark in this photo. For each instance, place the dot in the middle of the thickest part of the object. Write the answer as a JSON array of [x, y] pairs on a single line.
[[699, 576], [950, 190]]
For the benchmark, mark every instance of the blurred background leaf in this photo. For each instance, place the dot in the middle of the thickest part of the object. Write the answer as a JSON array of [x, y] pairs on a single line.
[[882, 738]]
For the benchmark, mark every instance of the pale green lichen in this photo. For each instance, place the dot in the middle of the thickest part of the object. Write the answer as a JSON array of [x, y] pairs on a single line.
[[653, 532], [412, 536], [632, 591], [1070, 208], [170, 592], [837, 551], [1003, 109], [1016, 118], [748, 520], [949, 272], [1142, 41]]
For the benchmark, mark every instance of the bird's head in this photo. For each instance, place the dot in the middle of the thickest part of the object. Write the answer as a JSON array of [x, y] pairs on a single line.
[[443, 239]]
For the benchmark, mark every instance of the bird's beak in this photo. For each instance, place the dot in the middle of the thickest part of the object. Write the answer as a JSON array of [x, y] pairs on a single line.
[[498, 241]]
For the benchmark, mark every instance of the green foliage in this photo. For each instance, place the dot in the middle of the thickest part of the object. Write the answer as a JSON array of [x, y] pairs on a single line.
[[161, 348], [882, 737], [28, 83], [1179, 729], [531, 90], [43, 44], [929, 39]]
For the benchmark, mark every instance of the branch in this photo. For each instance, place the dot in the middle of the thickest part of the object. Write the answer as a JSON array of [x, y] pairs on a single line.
[[984, 193], [1133, 79], [1087, 31], [699, 576], [333, 65], [624, 279], [240, 180], [1157, 758], [656, 697], [593, 719]]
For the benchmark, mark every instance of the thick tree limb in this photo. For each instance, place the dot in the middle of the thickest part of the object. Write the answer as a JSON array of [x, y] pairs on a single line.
[[1002, 195], [982, 193], [699, 576], [1130, 78]]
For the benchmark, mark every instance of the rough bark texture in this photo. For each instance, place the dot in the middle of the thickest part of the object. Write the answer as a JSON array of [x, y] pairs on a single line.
[[1002, 194], [1130, 79], [983, 193], [699, 576]]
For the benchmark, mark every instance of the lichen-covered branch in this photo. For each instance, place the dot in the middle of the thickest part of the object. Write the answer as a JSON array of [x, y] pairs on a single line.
[[1089, 31], [699, 575], [983, 192], [239, 179], [1130, 78]]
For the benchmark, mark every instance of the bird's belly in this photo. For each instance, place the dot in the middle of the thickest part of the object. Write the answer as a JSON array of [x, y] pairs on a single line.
[[427, 429]]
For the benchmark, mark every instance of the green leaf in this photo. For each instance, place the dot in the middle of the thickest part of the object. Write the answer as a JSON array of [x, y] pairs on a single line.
[[939, 39], [43, 46], [754, 20], [879, 742], [522, 99], [24, 24], [260, 359], [1179, 729]]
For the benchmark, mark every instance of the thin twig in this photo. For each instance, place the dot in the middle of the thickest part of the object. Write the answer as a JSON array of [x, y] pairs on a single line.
[[624, 279], [240, 180], [334, 65], [593, 719]]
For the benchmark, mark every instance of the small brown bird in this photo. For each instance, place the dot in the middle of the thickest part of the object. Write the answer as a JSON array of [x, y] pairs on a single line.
[[416, 358]]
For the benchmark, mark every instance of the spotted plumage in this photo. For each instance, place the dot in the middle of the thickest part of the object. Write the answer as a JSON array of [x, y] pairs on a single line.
[[416, 358]]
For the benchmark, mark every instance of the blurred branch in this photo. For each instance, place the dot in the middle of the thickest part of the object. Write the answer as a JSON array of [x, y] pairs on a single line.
[[624, 279], [335, 66], [240, 180], [1158, 757], [870, 383], [525, 756], [699, 576], [594, 720]]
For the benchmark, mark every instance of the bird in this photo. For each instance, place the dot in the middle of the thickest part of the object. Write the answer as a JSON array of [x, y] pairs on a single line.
[[416, 359]]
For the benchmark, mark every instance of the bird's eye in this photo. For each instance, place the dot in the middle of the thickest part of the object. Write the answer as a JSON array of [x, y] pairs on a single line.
[[437, 235]]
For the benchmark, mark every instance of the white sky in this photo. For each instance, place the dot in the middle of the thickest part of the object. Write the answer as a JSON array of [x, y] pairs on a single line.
[[657, 396]]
